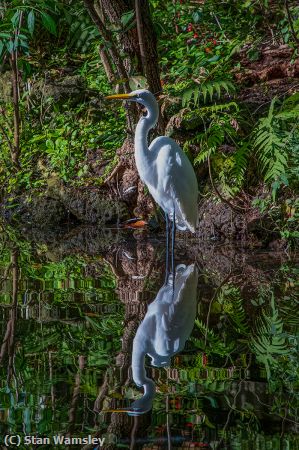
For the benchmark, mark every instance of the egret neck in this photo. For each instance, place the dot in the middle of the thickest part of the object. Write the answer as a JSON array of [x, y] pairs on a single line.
[[143, 155], [144, 404]]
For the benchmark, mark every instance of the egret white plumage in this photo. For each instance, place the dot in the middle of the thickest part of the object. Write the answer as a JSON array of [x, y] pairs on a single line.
[[164, 167], [164, 331]]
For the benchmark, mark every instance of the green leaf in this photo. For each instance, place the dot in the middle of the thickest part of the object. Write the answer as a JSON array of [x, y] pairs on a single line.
[[49, 23], [204, 93], [214, 58], [50, 144], [196, 16], [15, 20], [6, 35], [196, 94], [218, 89], [126, 18], [210, 90], [187, 95], [1, 47], [24, 45], [10, 46], [30, 22]]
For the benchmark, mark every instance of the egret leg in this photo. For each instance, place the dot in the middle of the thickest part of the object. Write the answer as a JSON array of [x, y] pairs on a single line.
[[172, 244], [167, 247]]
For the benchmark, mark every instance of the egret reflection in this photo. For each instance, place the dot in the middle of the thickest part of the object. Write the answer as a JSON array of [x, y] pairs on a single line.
[[164, 330]]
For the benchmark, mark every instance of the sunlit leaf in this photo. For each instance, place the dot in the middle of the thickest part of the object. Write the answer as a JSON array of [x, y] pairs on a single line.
[[30, 22], [48, 22], [126, 18], [15, 20]]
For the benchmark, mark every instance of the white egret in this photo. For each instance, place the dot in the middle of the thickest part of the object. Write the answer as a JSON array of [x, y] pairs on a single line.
[[164, 167], [164, 331]]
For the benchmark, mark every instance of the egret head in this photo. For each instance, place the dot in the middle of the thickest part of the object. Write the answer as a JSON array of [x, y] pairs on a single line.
[[141, 96]]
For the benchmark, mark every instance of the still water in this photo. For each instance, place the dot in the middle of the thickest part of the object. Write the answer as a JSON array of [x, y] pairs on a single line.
[[97, 343]]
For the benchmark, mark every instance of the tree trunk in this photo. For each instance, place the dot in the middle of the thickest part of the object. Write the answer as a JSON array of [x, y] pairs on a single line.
[[106, 63], [127, 41], [138, 44], [147, 46]]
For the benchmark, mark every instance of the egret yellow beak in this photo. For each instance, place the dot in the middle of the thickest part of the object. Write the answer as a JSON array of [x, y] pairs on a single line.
[[119, 96]]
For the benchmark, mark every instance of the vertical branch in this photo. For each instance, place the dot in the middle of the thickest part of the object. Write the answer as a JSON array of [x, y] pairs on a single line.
[[15, 153], [106, 63], [175, 18], [141, 37], [8, 341], [102, 49], [15, 156], [115, 56], [13, 318], [76, 392]]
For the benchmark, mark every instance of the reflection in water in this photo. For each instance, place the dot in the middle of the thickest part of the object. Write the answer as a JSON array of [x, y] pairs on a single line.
[[8, 343], [68, 322], [164, 330]]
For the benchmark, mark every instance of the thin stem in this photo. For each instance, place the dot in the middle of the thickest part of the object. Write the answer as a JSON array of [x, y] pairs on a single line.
[[290, 20], [234, 207], [167, 247], [172, 245]]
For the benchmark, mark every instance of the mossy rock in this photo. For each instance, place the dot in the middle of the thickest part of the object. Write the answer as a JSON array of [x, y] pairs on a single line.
[[69, 88], [94, 207], [35, 211]]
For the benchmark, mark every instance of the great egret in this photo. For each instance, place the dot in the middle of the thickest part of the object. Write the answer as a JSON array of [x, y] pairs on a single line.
[[164, 167], [164, 330]]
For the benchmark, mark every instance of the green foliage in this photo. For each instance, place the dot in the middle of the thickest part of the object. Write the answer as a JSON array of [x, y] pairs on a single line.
[[210, 342], [276, 349], [217, 122], [232, 303], [289, 229], [221, 125], [19, 23], [271, 151], [271, 143], [276, 144], [200, 91], [198, 57], [269, 343], [82, 33]]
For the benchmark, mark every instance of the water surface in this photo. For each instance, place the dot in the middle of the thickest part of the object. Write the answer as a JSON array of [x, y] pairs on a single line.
[[70, 310]]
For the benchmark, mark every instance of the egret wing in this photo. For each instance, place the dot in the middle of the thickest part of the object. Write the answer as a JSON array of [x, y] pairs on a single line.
[[176, 182]]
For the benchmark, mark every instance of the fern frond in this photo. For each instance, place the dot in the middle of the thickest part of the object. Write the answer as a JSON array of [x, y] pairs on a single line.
[[270, 146], [291, 103], [241, 159], [216, 108], [212, 88], [211, 340], [269, 343], [232, 302], [81, 33], [204, 155]]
